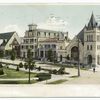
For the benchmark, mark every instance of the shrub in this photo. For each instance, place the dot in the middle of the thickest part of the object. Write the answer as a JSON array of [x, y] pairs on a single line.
[[39, 69], [17, 69], [21, 65], [1, 65], [61, 70], [26, 66], [43, 76], [1, 71], [54, 71]]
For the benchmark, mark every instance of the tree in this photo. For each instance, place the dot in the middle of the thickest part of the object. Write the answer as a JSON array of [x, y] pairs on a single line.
[[25, 66], [50, 55], [32, 65]]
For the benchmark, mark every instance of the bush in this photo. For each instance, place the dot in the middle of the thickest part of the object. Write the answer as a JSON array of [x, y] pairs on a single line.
[[21, 65], [43, 76], [17, 69], [1, 65], [61, 70], [54, 71], [1, 71], [26, 66], [39, 69]]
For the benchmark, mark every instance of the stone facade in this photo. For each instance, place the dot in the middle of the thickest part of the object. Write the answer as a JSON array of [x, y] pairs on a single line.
[[88, 44]]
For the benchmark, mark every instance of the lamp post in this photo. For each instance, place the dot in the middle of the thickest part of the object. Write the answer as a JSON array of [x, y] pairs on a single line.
[[78, 59]]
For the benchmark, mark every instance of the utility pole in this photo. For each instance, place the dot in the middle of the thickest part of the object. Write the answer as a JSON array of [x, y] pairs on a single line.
[[78, 59]]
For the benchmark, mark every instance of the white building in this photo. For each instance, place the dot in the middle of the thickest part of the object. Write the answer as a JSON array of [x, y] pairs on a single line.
[[40, 41], [88, 44], [9, 41]]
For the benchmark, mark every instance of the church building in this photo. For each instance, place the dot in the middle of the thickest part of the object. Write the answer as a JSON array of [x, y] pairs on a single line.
[[87, 42]]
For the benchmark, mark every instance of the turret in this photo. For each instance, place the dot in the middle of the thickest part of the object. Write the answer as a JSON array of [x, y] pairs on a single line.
[[32, 27]]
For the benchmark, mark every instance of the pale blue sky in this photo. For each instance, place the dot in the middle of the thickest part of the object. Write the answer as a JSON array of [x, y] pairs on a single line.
[[17, 17]]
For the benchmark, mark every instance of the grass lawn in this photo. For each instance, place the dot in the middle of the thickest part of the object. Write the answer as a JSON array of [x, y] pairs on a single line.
[[57, 81], [12, 73]]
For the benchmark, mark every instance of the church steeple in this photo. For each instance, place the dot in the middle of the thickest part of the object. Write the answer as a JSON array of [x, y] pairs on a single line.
[[92, 23]]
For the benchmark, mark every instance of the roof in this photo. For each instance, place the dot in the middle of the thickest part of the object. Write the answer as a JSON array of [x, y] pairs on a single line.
[[6, 36], [47, 30], [92, 23], [81, 35]]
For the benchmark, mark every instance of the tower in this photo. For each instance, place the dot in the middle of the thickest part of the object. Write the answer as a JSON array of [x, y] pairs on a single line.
[[90, 42]]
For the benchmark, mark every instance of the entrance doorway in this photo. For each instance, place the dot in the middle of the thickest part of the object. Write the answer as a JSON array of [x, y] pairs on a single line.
[[74, 53], [89, 59]]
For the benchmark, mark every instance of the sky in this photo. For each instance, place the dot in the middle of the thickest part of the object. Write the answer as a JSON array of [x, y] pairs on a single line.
[[71, 18]]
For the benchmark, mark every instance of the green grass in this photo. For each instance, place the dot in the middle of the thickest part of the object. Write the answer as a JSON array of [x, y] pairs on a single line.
[[76, 76], [57, 81], [16, 81], [12, 73]]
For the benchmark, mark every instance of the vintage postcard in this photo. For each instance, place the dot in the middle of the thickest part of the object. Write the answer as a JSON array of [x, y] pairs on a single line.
[[50, 50]]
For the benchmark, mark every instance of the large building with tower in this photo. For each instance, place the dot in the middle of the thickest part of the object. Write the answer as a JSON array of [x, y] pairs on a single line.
[[40, 41], [88, 44]]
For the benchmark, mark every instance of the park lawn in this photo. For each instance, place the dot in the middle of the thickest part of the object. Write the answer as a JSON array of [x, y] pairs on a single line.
[[57, 81], [12, 73]]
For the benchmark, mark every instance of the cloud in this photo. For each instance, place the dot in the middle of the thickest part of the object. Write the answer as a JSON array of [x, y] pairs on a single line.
[[9, 28], [54, 23]]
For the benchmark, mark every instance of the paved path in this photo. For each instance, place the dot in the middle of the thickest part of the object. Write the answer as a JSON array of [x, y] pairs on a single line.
[[40, 90]]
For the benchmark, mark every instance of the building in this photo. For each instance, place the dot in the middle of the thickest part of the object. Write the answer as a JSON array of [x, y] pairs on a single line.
[[87, 42], [40, 41], [9, 41], [61, 49]]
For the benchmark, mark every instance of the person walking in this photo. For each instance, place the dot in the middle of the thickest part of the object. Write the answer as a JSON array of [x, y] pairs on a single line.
[[94, 69]]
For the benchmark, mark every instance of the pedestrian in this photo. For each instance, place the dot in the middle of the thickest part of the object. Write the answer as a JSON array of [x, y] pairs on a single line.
[[94, 69]]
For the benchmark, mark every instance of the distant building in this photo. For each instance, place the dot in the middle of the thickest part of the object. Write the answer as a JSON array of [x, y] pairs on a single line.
[[40, 41], [9, 41], [88, 44]]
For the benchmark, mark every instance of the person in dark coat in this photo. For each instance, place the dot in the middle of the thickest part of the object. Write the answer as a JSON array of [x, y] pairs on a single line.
[[94, 69]]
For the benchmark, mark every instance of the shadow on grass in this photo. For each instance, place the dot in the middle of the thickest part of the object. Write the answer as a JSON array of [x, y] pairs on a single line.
[[75, 76], [57, 81]]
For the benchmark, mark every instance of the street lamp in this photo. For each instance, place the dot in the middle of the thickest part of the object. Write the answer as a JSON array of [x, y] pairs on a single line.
[[78, 58]]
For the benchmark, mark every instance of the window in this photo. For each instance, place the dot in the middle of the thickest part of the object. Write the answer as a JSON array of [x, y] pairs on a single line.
[[60, 47], [44, 33], [35, 40], [54, 46], [98, 38], [49, 34], [31, 46], [38, 33], [98, 59], [31, 40], [26, 46], [98, 47], [54, 34], [90, 47], [89, 38], [87, 47], [22, 46]]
